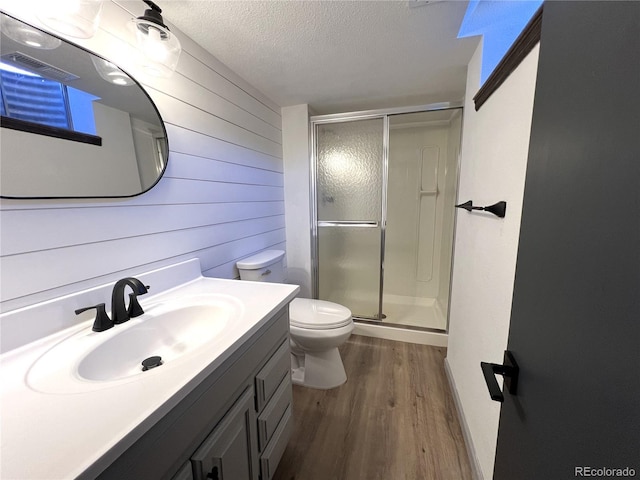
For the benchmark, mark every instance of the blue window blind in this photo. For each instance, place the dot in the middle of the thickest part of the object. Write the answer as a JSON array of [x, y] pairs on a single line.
[[34, 99]]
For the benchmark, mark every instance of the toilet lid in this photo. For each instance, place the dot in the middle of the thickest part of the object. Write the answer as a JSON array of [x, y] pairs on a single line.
[[318, 314]]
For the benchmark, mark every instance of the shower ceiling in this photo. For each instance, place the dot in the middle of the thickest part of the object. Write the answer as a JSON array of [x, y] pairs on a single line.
[[335, 55]]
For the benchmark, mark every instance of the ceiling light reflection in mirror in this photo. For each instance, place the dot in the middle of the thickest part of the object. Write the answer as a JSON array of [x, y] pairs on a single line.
[[26, 35], [112, 74]]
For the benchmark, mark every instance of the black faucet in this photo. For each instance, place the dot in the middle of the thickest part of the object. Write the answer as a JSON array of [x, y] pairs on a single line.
[[119, 311]]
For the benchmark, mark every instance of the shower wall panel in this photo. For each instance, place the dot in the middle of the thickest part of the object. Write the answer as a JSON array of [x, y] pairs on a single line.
[[428, 163], [417, 170]]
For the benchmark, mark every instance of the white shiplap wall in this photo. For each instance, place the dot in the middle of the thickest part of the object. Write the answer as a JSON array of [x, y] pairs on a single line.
[[220, 199]]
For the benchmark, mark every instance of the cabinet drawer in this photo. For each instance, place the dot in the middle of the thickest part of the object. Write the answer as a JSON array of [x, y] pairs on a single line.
[[273, 412], [275, 448], [269, 378]]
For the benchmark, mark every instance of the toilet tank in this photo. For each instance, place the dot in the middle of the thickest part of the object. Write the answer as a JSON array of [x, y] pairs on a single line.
[[263, 267]]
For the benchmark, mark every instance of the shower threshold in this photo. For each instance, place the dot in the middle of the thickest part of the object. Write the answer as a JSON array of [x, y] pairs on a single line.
[[373, 318], [375, 321], [409, 313]]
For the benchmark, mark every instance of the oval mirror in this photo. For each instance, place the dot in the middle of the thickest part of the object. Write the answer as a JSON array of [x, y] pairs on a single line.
[[73, 124]]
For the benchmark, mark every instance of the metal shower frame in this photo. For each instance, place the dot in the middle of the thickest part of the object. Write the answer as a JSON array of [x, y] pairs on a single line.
[[349, 117]]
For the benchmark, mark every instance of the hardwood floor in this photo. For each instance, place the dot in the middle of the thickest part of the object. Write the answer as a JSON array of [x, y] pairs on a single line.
[[394, 419]]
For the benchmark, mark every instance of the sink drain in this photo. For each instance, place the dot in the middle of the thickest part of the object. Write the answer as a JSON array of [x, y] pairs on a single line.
[[151, 362]]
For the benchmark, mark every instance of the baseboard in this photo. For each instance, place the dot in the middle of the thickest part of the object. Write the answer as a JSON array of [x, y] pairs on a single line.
[[401, 334], [471, 451]]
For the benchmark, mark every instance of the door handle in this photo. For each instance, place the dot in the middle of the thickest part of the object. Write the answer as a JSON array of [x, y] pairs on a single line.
[[509, 370], [349, 223]]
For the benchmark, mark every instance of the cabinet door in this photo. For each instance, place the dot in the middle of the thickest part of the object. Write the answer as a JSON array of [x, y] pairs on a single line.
[[230, 452]]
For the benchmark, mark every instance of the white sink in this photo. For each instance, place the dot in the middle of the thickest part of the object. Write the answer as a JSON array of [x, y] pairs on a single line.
[[173, 329]]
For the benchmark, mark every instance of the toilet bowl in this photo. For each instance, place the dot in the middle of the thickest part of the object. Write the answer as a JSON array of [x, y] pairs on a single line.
[[317, 327]]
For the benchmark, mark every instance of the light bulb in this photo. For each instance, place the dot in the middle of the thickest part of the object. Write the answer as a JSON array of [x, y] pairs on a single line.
[[153, 45]]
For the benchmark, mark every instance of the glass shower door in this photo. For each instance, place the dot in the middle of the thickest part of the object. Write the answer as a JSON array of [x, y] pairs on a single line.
[[349, 178]]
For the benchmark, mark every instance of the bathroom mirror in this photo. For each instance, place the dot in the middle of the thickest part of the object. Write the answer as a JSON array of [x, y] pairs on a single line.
[[73, 124]]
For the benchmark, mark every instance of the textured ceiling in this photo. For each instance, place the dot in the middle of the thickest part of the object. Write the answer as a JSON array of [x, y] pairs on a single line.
[[335, 55]]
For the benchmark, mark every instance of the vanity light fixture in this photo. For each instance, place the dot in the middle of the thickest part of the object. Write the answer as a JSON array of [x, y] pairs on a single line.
[[76, 18], [109, 72], [159, 47], [27, 35]]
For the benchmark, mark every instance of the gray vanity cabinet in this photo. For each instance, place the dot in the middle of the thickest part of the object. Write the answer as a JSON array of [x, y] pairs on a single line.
[[234, 425], [228, 453]]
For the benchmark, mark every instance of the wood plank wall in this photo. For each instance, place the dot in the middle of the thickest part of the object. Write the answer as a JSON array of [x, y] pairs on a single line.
[[221, 198]]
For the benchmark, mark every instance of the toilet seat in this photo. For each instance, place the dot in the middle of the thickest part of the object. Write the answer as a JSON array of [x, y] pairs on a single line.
[[318, 314]]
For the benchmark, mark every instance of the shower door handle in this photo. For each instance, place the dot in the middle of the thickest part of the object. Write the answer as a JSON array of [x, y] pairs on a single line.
[[350, 223]]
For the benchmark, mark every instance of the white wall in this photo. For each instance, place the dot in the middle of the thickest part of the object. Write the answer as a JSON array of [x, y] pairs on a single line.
[[220, 199], [493, 163], [297, 166]]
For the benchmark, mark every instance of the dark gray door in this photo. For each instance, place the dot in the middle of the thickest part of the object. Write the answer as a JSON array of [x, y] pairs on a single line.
[[575, 324]]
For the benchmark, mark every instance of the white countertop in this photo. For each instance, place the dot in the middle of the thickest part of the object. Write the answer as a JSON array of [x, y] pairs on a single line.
[[63, 435]]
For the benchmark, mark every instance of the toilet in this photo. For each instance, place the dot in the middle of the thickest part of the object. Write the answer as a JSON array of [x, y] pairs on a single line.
[[317, 327]]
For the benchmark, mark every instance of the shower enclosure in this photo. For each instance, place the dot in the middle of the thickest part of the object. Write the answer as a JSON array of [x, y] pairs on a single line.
[[384, 188]]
